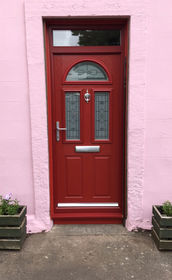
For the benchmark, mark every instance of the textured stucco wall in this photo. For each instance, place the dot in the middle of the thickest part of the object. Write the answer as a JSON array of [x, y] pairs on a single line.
[[34, 11], [158, 109], [23, 116]]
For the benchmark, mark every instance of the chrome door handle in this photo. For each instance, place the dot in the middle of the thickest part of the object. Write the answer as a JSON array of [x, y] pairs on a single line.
[[58, 128]]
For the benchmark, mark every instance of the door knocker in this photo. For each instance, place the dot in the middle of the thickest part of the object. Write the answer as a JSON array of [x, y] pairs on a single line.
[[87, 96]]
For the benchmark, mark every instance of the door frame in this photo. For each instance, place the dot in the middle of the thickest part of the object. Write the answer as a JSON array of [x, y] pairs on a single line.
[[91, 22]]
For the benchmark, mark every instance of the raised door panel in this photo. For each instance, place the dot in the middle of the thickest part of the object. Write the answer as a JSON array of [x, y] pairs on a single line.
[[102, 177], [74, 177]]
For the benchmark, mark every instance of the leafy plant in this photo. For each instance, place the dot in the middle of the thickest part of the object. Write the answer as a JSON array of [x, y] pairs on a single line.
[[8, 206], [167, 208]]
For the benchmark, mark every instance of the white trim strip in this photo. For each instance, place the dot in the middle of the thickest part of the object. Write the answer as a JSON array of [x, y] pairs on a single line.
[[113, 204]]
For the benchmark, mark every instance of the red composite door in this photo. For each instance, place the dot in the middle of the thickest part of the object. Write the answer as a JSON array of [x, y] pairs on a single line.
[[87, 102]]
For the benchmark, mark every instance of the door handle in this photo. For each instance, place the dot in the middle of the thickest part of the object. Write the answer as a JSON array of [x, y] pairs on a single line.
[[58, 128]]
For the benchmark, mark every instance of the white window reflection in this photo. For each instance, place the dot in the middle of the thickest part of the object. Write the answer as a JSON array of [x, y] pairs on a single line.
[[87, 71], [64, 38]]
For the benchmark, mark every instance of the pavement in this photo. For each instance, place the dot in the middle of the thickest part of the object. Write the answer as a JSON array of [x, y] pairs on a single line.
[[87, 252]]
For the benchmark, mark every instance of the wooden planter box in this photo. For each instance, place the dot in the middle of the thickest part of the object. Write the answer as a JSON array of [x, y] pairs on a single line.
[[13, 230], [162, 229]]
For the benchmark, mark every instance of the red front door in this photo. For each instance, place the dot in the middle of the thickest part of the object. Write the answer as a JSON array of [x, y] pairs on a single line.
[[88, 152]]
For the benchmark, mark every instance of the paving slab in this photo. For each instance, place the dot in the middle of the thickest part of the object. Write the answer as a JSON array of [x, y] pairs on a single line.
[[87, 252]]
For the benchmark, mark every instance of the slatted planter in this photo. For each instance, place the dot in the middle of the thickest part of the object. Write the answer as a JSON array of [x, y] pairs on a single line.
[[162, 229], [13, 230]]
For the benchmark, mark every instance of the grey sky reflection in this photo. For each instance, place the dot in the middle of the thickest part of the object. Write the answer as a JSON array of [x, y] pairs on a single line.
[[64, 38]]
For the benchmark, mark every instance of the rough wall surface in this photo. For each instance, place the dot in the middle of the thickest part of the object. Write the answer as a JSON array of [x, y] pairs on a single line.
[[158, 109], [24, 147], [34, 11]]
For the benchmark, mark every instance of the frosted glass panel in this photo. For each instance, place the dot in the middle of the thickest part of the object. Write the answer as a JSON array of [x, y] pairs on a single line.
[[101, 115], [87, 71], [72, 107]]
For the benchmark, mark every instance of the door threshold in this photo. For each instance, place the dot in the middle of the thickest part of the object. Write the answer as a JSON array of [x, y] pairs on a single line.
[[113, 204], [88, 218]]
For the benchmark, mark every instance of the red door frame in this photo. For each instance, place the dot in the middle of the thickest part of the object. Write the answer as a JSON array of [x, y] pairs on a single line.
[[92, 23]]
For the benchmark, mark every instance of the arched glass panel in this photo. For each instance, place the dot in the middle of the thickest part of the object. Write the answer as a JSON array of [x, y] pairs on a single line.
[[87, 71]]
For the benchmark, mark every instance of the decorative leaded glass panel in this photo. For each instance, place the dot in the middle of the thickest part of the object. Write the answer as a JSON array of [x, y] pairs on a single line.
[[72, 106], [87, 71], [101, 115]]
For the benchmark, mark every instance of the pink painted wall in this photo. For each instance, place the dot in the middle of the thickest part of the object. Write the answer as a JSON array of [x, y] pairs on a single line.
[[15, 133], [23, 118], [158, 108]]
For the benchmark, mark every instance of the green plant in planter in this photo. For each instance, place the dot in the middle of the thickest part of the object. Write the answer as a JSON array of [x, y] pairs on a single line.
[[12, 223], [162, 225], [8, 206], [167, 208]]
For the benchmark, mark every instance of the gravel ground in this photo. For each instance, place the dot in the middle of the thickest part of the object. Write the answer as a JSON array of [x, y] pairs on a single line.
[[81, 252]]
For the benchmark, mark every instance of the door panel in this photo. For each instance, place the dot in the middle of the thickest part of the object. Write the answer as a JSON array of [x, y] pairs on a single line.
[[72, 115], [88, 177], [102, 177], [101, 115], [73, 177]]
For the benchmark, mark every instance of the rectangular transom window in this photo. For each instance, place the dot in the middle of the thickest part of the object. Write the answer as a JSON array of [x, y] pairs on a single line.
[[63, 38]]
